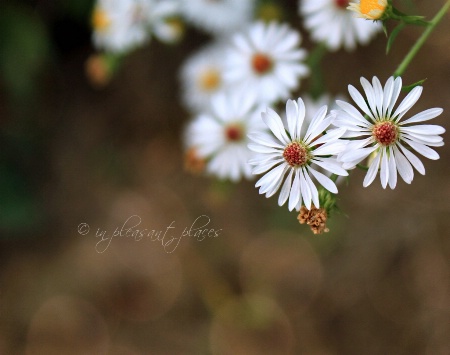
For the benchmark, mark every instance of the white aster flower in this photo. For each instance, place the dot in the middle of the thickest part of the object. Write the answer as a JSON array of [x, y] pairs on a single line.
[[384, 136], [266, 60], [330, 22], [202, 78], [297, 155], [219, 17], [122, 25], [220, 136]]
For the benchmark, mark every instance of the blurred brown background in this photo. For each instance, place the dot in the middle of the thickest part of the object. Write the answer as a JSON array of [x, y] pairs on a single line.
[[377, 283]]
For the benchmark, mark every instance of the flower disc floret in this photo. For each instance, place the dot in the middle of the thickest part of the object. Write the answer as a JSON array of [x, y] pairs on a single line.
[[385, 133], [261, 63], [296, 154]]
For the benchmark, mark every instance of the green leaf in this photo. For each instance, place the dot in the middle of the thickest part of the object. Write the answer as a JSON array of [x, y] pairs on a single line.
[[24, 48], [394, 35], [408, 88]]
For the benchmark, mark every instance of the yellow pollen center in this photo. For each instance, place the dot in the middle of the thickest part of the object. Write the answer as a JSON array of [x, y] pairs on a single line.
[[295, 154], [210, 80], [100, 20], [367, 6]]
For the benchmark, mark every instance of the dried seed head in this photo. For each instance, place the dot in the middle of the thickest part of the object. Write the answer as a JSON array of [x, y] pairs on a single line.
[[316, 218]]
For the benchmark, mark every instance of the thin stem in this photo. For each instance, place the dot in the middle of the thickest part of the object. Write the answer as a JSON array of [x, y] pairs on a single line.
[[422, 39]]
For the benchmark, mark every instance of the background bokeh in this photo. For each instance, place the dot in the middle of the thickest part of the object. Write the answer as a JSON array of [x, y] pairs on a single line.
[[70, 153]]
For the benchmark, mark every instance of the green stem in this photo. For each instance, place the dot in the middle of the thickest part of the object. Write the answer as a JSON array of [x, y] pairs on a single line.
[[422, 39], [314, 61]]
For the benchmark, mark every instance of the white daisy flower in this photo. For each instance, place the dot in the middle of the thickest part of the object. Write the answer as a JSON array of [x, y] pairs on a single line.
[[202, 78], [218, 17], [297, 155], [122, 25], [266, 60], [330, 22], [389, 141], [220, 136]]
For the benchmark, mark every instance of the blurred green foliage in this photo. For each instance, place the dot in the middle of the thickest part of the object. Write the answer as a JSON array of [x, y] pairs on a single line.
[[24, 48], [31, 37]]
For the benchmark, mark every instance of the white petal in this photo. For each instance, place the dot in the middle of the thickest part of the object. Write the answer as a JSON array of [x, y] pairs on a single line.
[[359, 100], [370, 95], [317, 122], [266, 166], [263, 149], [264, 139], [352, 111], [425, 129], [284, 193], [403, 166], [331, 148], [312, 188], [424, 116], [395, 94], [414, 160], [373, 170], [356, 155], [387, 94], [271, 176], [423, 149], [273, 121], [330, 136], [301, 116], [384, 170], [292, 118], [295, 191], [378, 91], [392, 171], [331, 165], [274, 188], [408, 102], [324, 180], [306, 193]]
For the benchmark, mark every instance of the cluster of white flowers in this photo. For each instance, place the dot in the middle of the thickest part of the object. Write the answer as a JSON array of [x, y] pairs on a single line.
[[229, 85]]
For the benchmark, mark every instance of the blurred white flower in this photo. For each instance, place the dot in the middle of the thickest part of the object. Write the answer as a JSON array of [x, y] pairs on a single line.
[[266, 60], [202, 78], [383, 136], [330, 22], [123, 25], [218, 17], [220, 136], [297, 154]]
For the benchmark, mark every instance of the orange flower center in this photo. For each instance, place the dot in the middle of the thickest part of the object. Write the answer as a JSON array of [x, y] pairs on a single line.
[[233, 133], [210, 79], [295, 154], [367, 6], [341, 3], [385, 133], [100, 20], [261, 63]]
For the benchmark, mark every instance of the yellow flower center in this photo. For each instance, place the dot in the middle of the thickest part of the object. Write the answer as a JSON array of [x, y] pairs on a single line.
[[100, 20], [210, 80], [367, 6]]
